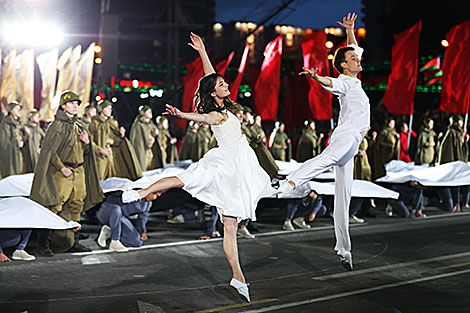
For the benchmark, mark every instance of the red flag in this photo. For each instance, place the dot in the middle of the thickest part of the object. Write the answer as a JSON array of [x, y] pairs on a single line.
[[236, 84], [315, 55], [269, 80], [455, 94], [400, 93], [190, 81], [221, 68]]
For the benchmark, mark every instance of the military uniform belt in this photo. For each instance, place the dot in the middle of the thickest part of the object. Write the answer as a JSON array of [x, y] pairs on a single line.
[[73, 165]]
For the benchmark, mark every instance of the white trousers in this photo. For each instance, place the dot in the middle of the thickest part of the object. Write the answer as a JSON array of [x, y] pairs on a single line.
[[340, 154]]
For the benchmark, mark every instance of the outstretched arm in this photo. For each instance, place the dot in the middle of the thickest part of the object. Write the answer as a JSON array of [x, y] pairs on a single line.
[[212, 118], [325, 81], [198, 45], [348, 24]]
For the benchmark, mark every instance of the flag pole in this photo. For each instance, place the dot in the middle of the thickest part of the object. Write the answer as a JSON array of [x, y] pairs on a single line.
[[409, 134], [466, 112]]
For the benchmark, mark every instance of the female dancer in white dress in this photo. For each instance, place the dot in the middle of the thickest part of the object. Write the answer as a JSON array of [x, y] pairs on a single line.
[[228, 177]]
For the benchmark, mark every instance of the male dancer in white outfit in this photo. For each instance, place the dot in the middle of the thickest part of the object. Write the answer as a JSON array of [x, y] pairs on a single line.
[[354, 121]]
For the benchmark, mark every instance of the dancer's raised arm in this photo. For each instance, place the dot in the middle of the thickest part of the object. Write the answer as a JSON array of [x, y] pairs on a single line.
[[198, 45], [211, 118], [325, 81], [348, 24]]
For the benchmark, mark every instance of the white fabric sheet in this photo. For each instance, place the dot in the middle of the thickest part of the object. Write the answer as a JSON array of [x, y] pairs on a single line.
[[19, 212], [360, 188], [445, 175]]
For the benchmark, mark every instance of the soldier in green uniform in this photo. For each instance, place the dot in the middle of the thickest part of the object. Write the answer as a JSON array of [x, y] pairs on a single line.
[[66, 171], [454, 147], [309, 143], [257, 141], [90, 111], [189, 140], [281, 147], [11, 141], [386, 148], [425, 152], [167, 142], [115, 154], [362, 169], [34, 136], [202, 143], [143, 138]]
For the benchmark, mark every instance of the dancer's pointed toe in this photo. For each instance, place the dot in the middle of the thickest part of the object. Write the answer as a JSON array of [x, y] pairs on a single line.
[[242, 288]]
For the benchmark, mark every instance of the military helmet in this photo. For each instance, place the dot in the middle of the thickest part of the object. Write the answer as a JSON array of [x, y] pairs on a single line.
[[69, 96], [143, 109], [33, 112], [103, 104], [248, 109], [89, 106], [13, 104]]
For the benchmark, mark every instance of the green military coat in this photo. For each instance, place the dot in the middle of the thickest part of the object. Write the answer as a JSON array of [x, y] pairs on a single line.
[[187, 145], [452, 148], [425, 152], [106, 134], [278, 151], [309, 145], [59, 140], [362, 169], [386, 148], [202, 143], [10, 153], [31, 146]]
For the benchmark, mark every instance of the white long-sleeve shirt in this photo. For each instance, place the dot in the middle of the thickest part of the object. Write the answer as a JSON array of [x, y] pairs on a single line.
[[354, 114]]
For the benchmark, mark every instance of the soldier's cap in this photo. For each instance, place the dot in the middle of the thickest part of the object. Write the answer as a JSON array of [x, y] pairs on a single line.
[[13, 104], [239, 107], [160, 119], [69, 96], [455, 118], [308, 122], [143, 109], [247, 109], [89, 106], [103, 104], [427, 120], [33, 112]]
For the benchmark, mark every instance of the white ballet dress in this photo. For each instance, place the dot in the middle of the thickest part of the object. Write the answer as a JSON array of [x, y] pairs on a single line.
[[228, 177]]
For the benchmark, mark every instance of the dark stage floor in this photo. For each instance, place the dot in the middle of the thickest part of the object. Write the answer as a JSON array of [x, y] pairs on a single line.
[[401, 265]]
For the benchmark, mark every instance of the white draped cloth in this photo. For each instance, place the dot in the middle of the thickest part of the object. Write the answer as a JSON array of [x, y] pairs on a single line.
[[19, 212]]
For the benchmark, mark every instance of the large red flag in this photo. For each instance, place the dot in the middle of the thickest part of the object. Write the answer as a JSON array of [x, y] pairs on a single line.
[[269, 80], [190, 81], [221, 68], [400, 93], [236, 83], [455, 94], [315, 55]]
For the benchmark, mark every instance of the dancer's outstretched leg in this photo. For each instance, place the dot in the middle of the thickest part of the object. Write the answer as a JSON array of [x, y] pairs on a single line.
[[231, 252], [160, 185], [343, 187], [231, 246], [341, 149]]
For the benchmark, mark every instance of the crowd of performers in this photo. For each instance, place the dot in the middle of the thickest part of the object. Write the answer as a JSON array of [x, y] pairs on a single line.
[[233, 163]]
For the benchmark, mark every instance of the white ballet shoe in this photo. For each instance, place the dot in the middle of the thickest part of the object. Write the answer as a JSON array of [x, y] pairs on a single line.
[[129, 196], [242, 288], [346, 260]]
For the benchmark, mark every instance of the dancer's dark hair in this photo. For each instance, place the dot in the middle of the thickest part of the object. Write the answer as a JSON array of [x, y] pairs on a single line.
[[205, 102], [340, 57]]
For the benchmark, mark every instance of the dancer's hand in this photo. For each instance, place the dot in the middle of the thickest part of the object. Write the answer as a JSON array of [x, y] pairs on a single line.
[[348, 22], [172, 111], [313, 74], [196, 43]]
